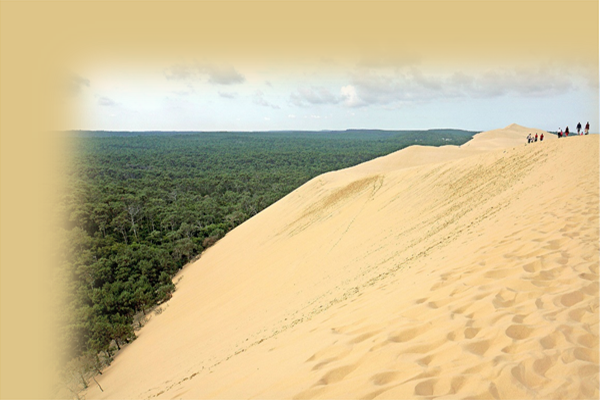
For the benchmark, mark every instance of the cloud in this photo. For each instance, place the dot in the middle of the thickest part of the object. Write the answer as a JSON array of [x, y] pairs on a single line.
[[305, 96], [105, 101], [519, 82], [398, 85], [228, 95], [222, 74], [75, 83], [259, 98], [215, 74], [350, 97], [179, 72]]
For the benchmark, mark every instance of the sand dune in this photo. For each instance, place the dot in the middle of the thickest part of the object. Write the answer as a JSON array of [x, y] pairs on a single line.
[[457, 272]]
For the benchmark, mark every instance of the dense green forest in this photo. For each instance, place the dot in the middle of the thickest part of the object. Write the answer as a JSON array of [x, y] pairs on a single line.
[[139, 206]]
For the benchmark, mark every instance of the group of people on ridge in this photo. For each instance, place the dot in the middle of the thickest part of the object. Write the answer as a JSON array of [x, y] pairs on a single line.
[[579, 131], [531, 139]]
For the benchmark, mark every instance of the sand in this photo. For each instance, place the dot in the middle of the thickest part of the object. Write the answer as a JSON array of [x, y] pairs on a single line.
[[453, 272]]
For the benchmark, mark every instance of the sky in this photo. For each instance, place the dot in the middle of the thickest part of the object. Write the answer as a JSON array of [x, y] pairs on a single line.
[[384, 90]]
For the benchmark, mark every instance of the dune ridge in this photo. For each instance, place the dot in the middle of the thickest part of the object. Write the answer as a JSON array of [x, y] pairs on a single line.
[[453, 272]]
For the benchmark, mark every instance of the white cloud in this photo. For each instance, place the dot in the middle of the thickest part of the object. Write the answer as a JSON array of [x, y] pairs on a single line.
[[350, 96], [222, 74], [400, 85], [105, 101], [228, 95], [75, 83], [218, 74], [259, 98], [305, 96], [180, 72]]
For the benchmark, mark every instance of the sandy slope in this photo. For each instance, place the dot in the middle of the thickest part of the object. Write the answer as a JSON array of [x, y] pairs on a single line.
[[466, 272]]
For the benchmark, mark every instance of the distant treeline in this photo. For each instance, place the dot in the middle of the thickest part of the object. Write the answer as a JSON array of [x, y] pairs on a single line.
[[139, 206]]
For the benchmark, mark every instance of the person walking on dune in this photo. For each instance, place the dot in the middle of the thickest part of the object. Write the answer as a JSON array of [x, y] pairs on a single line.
[[559, 133], [587, 128], [542, 137], [536, 136], [578, 127], [567, 131]]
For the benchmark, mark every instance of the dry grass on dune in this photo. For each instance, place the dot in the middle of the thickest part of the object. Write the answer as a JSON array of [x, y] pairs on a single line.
[[465, 272]]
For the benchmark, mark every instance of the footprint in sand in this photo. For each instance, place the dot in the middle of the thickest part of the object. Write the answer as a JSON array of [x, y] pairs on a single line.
[[539, 303], [470, 333], [504, 299], [577, 314], [591, 289], [588, 340], [533, 266], [530, 381], [498, 273], [383, 378], [363, 337], [479, 348], [329, 355], [588, 277], [585, 354], [557, 243], [406, 335], [336, 375], [541, 365], [439, 303], [425, 388], [456, 384], [570, 299], [518, 318], [425, 361], [323, 363], [423, 348], [518, 332], [549, 342]]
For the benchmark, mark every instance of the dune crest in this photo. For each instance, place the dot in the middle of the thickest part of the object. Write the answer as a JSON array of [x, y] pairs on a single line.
[[458, 272]]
